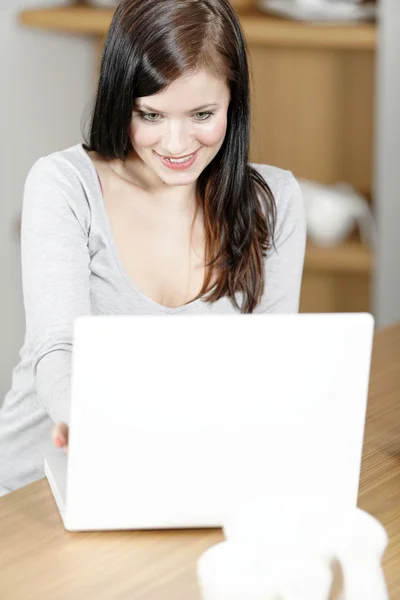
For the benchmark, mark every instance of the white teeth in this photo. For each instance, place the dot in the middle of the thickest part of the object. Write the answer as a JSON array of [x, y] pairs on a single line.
[[180, 160]]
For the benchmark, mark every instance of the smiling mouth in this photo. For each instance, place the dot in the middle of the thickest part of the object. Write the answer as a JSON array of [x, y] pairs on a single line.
[[178, 159]]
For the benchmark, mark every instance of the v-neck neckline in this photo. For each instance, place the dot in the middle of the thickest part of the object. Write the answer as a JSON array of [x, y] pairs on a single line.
[[115, 252]]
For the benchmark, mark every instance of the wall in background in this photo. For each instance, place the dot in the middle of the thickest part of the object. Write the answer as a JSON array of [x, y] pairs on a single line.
[[46, 86], [387, 192]]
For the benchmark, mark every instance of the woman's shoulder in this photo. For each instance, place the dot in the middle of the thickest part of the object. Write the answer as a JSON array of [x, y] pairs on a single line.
[[281, 182], [287, 195], [63, 167], [59, 179]]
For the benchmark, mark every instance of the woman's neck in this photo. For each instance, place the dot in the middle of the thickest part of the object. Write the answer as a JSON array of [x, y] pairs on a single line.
[[181, 199]]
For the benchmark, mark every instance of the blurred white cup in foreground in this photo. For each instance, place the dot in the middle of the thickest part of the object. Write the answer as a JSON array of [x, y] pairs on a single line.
[[287, 549]]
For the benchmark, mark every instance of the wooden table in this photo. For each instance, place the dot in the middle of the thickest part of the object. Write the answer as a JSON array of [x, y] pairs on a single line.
[[40, 560]]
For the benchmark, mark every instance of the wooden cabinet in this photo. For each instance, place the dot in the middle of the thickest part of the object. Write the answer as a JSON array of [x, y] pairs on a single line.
[[313, 108], [312, 112]]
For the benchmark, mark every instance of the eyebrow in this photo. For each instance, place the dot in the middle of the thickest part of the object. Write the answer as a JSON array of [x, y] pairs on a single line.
[[198, 109]]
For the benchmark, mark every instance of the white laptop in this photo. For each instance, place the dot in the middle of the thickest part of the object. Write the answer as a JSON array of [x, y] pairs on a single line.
[[176, 420]]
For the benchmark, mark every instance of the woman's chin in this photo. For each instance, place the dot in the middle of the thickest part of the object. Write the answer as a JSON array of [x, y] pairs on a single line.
[[178, 178]]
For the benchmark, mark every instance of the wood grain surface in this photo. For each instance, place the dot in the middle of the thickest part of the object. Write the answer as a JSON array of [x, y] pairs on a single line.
[[40, 560]]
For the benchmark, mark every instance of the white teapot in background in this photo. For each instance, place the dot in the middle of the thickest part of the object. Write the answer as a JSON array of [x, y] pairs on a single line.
[[286, 550], [333, 212]]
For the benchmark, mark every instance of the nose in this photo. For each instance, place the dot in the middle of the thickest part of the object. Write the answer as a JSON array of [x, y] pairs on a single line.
[[177, 139]]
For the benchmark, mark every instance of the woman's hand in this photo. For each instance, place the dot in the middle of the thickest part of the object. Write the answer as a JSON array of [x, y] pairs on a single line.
[[59, 435]]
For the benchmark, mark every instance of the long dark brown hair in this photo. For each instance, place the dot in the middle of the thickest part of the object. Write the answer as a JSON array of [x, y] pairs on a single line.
[[152, 43]]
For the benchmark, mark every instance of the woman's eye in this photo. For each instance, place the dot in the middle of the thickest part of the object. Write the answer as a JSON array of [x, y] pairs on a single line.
[[155, 117], [203, 116], [149, 117]]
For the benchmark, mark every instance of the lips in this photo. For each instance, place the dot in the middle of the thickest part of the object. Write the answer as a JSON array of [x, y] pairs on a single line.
[[178, 158], [179, 164]]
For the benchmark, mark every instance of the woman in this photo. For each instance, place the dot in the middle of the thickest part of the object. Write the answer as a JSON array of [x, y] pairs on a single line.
[[159, 212]]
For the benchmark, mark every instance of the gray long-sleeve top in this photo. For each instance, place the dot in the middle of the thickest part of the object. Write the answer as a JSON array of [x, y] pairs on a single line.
[[71, 267]]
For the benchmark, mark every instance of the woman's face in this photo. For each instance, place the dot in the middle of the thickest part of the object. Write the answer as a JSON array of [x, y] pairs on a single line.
[[186, 121]]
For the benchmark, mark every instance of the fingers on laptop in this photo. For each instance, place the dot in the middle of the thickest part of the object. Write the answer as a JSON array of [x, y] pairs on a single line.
[[60, 436]]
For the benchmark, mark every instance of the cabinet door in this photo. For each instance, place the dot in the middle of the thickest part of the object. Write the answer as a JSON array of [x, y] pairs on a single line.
[[312, 113]]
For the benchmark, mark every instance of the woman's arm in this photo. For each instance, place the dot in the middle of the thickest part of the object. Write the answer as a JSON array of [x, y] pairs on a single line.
[[55, 276]]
